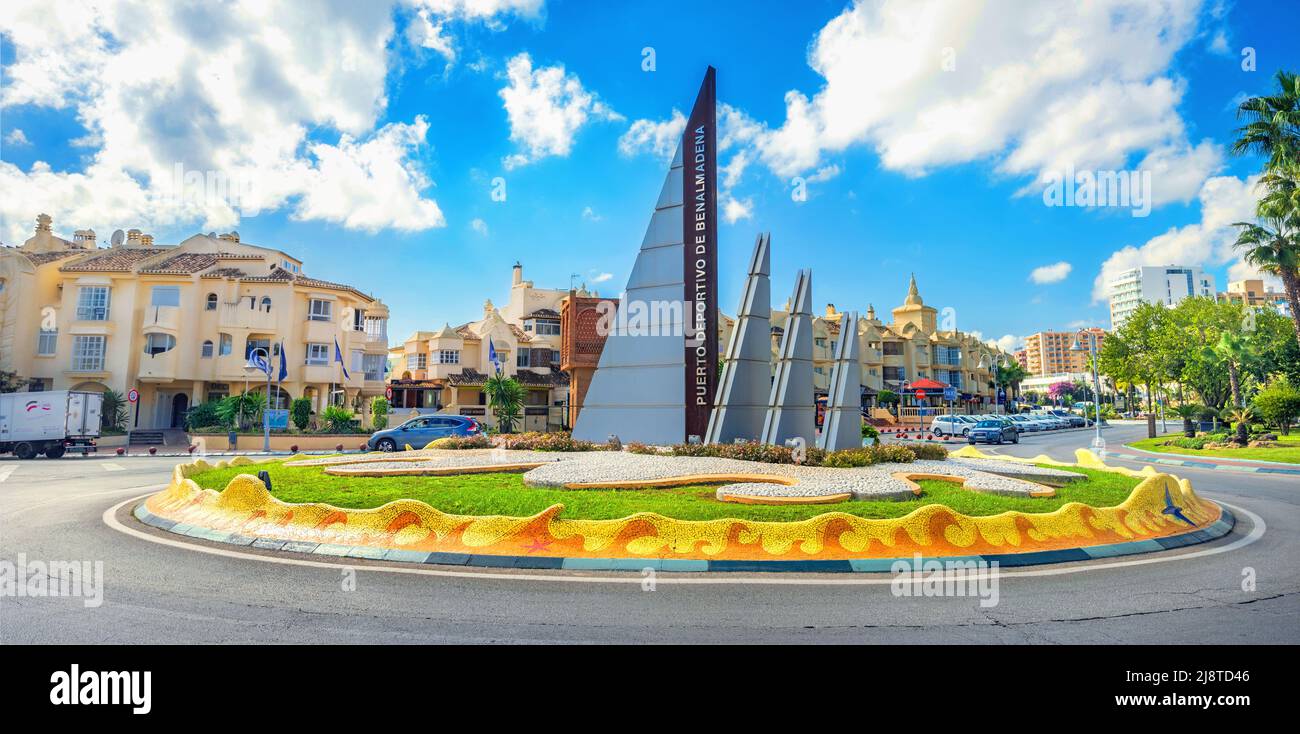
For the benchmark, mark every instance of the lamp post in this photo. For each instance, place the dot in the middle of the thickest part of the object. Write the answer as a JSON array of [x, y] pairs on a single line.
[[1096, 383], [986, 362]]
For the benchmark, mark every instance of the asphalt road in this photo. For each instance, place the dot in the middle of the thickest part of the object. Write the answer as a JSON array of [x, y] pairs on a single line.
[[154, 592]]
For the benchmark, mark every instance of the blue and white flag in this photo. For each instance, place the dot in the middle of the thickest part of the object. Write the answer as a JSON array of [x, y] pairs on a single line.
[[284, 365], [260, 363], [338, 357], [492, 355]]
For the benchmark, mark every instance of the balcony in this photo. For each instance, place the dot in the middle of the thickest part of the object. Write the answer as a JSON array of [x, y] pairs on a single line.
[[240, 316], [323, 332], [160, 367]]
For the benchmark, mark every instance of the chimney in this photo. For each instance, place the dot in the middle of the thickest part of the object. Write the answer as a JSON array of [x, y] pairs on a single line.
[[133, 237], [146, 240], [84, 239], [518, 278], [229, 237], [43, 222]]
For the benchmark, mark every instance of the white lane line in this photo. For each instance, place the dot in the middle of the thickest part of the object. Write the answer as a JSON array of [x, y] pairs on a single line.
[[110, 466], [15, 511], [707, 578], [7, 470]]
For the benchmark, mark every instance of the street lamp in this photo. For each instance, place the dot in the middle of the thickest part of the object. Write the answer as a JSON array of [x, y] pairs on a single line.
[[986, 361], [1096, 383]]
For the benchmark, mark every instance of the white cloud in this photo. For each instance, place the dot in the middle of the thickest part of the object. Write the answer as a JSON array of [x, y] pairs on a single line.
[[590, 215], [431, 27], [1006, 342], [1029, 96], [734, 210], [17, 137], [284, 99], [1224, 200], [601, 277], [479, 226], [659, 138], [546, 108], [1054, 273]]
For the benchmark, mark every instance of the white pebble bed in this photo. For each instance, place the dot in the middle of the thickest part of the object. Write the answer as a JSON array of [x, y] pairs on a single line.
[[870, 482]]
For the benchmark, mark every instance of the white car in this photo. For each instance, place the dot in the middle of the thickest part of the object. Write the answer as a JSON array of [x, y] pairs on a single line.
[[951, 425], [1025, 423]]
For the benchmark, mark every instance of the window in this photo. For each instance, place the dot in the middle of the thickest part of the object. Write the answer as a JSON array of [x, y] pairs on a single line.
[[165, 295], [449, 356], [266, 304], [318, 310], [415, 361], [158, 343], [373, 365], [218, 391], [893, 349], [207, 350], [92, 303], [545, 327], [555, 356], [357, 361], [318, 354], [226, 344], [260, 345], [211, 303], [87, 353], [358, 320], [376, 328], [522, 359], [47, 342]]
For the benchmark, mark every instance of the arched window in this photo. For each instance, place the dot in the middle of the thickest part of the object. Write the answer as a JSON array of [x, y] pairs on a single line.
[[207, 349], [212, 302], [266, 304]]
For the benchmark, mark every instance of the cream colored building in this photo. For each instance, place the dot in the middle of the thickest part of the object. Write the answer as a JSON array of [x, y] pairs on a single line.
[[176, 323], [1252, 292], [894, 355], [1049, 353], [444, 370]]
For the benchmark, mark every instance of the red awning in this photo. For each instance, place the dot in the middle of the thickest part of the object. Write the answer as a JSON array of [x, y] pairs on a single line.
[[927, 384]]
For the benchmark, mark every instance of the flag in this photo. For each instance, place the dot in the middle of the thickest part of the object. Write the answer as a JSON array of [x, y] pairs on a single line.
[[284, 365], [260, 363], [338, 357], [492, 355]]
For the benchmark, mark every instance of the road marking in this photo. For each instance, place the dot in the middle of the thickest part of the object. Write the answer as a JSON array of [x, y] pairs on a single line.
[[712, 578], [12, 512], [7, 470], [110, 466]]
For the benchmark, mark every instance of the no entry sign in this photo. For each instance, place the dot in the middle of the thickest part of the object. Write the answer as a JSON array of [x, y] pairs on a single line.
[[132, 395]]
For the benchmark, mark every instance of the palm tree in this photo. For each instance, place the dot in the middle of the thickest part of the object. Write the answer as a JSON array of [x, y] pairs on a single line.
[[1189, 412], [1242, 417], [1272, 130], [1272, 126], [506, 397], [1273, 246], [1234, 349]]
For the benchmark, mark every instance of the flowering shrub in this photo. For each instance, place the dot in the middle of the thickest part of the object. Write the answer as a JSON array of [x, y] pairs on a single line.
[[932, 451], [552, 441], [636, 447], [461, 442], [869, 455]]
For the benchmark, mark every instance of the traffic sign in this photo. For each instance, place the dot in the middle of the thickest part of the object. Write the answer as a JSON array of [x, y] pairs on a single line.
[[132, 395], [920, 394], [950, 393], [388, 392]]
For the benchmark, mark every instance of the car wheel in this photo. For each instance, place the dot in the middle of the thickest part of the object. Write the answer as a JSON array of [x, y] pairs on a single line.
[[55, 452], [1015, 438], [965, 431], [971, 442], [386, 445], [997, 441], [24, 450]]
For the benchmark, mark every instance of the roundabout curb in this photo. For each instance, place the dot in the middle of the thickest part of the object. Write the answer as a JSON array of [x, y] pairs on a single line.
[[1219, 528]]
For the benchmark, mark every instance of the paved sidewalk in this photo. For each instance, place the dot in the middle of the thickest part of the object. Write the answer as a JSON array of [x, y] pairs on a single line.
[[1205, 462]]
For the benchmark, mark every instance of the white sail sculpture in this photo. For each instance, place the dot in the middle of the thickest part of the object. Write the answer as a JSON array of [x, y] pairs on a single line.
[[791, 412], [842, 424], [742, 401]]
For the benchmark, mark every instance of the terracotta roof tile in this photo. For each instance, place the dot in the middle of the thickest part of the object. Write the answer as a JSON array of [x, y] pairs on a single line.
[[116, 260], [183, 263]]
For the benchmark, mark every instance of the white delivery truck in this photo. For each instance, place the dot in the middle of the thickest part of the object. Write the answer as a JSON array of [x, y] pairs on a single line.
[[49, 422]]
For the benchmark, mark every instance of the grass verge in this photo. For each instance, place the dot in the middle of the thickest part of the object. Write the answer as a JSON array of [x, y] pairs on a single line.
[[1288, 452], [505, 494]]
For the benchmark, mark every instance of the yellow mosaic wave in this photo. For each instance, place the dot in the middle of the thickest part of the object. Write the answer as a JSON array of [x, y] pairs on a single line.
[[246, 507]]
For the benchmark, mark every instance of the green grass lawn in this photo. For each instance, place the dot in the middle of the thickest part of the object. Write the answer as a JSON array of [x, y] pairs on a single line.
[[505, 494], [1288, 452]]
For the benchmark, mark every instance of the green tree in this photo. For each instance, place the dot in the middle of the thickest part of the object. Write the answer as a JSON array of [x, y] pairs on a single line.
[[379, 412], [1010, 377], [112, 412], [1235, 350], [338, 419], [1272, 124], [240, 411], [300, 412], [1273, 246], [1278, 403], [11, 382], [1189, 412], [506, 398]]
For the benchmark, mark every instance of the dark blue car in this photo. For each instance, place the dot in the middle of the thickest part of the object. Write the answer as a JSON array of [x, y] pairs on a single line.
[[419, 431], [993, 431]]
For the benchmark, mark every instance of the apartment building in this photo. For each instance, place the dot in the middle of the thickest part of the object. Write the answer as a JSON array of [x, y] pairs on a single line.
[[1252, 292], [444, 370], [1048, 352], [178, 323], [1167, 284]]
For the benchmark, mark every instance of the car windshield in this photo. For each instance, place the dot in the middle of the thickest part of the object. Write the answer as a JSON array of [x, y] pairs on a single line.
[[988, 424]]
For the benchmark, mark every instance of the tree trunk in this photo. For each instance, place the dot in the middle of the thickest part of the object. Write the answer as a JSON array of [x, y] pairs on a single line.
[[1243, 433], [1291, 284]]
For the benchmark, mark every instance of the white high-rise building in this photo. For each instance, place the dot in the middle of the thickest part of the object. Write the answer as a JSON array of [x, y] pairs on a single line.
[[1166, 284]]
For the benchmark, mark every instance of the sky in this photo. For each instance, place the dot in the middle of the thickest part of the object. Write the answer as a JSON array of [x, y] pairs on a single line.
[[417, 149]]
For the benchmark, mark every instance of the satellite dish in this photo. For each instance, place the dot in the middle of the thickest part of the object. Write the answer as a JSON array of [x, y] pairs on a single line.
[[118, 236], [212, 235], [234, 234]]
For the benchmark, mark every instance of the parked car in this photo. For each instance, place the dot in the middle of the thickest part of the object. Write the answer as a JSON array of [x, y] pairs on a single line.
[[951, 425], [993, 431], [1025, 423], [1075, 421], [419, 431]]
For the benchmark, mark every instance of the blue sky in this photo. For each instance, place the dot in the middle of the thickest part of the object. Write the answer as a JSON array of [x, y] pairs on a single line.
[[369, 138]]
